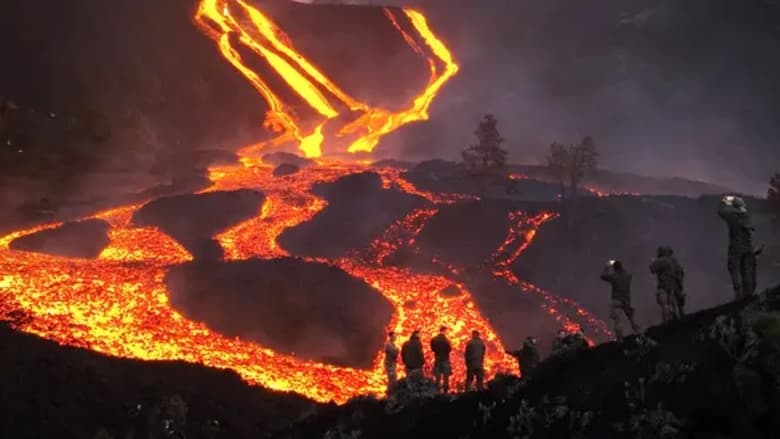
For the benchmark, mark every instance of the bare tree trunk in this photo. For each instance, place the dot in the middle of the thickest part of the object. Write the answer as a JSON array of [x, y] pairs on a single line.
[[563, 189]]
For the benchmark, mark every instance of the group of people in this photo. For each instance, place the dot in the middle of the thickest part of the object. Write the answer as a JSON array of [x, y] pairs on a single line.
[[670, 275], [670, 295], [413, 358]]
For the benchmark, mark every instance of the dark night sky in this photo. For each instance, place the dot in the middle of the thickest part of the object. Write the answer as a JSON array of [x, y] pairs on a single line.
[[667, 87]]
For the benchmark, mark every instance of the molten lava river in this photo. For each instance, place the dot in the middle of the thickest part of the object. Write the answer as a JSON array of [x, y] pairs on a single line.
[[118, 304]]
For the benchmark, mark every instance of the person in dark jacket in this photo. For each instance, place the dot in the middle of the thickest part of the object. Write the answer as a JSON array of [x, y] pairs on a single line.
[[559, 343], [679, 291], [576, 341], [620, 279], [475, 361], [527, 358], [741, 261], [442, 369], [412, 355], [668, 272]]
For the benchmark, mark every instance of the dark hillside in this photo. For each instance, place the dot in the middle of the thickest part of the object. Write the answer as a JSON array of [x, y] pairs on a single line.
[[628, 228], [688, 392], [51, 391]]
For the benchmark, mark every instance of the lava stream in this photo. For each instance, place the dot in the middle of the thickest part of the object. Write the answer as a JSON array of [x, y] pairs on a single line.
[[118, 303], [230, 23], [522, 230]]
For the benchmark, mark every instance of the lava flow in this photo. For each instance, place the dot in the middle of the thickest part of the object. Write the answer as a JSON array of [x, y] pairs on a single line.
[[118, 303], [227, 20], [522, 230]]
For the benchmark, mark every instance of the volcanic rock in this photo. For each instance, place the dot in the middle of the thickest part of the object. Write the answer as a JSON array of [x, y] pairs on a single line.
[[358, 211], [312, 310], [466, 233], [82, 239], [286, 158], [450, 291], [194, 219], [285, 169]]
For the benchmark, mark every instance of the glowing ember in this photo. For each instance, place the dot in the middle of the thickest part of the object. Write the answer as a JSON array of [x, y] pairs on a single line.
[[233, 22]]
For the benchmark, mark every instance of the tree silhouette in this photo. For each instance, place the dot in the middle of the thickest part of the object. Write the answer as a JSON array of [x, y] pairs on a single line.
[[773, 196], [569, 165], [486, 159]]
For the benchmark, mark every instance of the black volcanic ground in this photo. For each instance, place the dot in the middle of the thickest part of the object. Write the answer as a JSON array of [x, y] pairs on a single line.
[[193, 220], [81, 239], [312, 310], [359, 210]]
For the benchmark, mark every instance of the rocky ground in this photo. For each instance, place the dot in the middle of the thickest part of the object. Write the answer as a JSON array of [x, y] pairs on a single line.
[[313, 310], [359, 210], [51, 391], [674, 381]]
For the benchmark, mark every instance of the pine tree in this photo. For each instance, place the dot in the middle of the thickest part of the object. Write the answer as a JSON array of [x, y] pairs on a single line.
[[487, 159]]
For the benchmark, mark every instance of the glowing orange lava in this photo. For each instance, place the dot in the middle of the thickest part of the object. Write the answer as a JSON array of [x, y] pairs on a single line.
[[118, 304], [233, 22], [522, 231]]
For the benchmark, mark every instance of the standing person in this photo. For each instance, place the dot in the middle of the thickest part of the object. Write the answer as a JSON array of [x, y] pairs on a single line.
[[527, 358], [442, 368], [620, 279], [679, 291], [412, 355], [741, 261], [576, 341], [559, 344], [666, 269], [391, 359], [475, 361]]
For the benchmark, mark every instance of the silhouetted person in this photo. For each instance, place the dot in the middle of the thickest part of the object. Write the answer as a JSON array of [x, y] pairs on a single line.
[[391, 359], [559, 344], [741, 256], [576, 341], [475, 361], [679, 292], [620, 279], [669, 282], [442, 368], [412, 355], [527, 358]]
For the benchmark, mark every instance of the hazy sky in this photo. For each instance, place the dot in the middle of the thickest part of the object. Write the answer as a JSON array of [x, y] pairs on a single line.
[[667, 89]]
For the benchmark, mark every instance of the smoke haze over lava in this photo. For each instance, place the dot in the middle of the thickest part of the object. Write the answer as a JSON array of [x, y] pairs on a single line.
[[666, 88]]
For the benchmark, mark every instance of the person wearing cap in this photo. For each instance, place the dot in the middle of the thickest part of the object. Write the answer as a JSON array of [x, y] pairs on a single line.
[[391, 359], [741, 262], [475, 361], [442, 368]]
